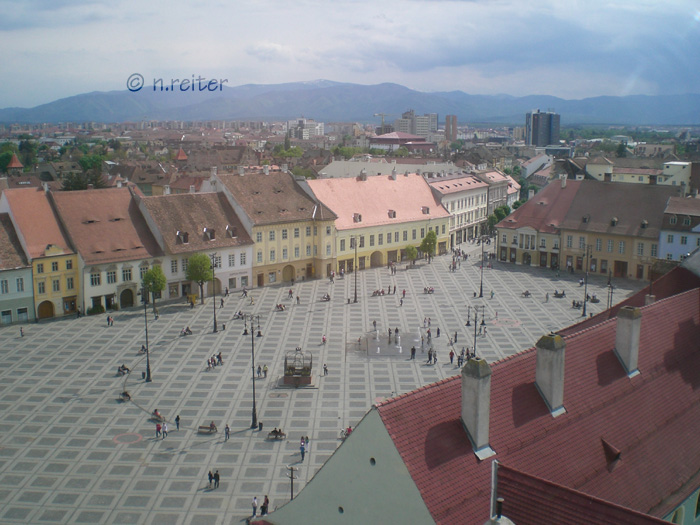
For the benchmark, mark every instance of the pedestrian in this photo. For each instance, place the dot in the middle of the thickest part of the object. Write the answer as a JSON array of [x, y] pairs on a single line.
[[252, 301], [177, 422], [255, 506], [455, 337], [452, 356], [216, 479], [107, 320], [325, 369], [401, 302], [157, 429], [413, 352], [211, 478], [429, 322], [434, 357], [396, 332], [302, 448], [430, 356], [492, 294], [265, 371], [291, 294], [403, 293], [222, 303], [77, 314], [422, 342], [265, 506], [394, 289], [438, 332], [425, 321], [259, 371], [227, 291], [298, 302], [375, 324], [227, 433], [21, 331], [546, 297], [165, 430], [484, 331]]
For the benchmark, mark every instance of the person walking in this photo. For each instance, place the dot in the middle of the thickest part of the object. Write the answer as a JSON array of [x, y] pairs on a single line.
[[252, 301], [403, 294], [177, 422], [211, 478], [452, 356], [259, 371], [158, 430], [227, 433], [492, 294], [165, 430], [298, 301], [255, 506], [222, 303], [265, 369], [216, 479], [546, 297], [374, 323], [430, 356], [325, 369], [413, 352], [265, 506], [455, 337], [302, 448], [21, 331]]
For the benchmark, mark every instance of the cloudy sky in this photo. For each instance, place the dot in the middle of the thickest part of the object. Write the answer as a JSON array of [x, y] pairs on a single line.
[[571, 49]]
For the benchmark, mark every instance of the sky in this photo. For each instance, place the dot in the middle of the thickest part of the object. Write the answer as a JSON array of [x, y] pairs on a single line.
[[571, 49]]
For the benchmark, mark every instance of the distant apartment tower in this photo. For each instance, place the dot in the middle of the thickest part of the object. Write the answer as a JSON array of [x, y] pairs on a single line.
[[451, 128], [415, 124], [541, 128]]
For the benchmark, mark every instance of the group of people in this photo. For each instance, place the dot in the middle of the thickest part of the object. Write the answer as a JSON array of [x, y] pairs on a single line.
[[326, 297], [214, 479], [186, 331], [263, 508], [304, 446], [238, 314], [280, 307], [215, 360], [262, 371], [123, 370], [428, 289]]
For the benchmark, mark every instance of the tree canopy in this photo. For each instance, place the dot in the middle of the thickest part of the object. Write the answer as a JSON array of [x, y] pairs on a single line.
[[154, 281], [429, 243], [199, 270], [411, 253]]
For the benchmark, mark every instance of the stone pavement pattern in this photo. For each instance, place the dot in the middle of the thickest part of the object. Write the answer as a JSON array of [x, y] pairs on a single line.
[[71, 453]]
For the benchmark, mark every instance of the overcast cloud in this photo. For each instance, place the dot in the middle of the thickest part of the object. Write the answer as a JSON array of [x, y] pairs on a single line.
[[573, 49]]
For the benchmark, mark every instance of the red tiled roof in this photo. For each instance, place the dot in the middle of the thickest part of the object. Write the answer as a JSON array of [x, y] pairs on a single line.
[[181, 155], [653, 419], [546, 210], [14, 162], [11, 254], [529, 499]]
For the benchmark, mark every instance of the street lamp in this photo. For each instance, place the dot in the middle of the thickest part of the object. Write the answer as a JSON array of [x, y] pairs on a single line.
[[481, 284], [587, 254], [469, 312], [144, 298], [252, 318], [354, 241], [213, 285], [476, 322]]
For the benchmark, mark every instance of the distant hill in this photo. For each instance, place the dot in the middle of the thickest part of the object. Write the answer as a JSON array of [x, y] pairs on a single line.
[[328, 101]]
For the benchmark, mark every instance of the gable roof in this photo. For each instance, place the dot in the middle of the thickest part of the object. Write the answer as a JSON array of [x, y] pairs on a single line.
[[274, 198], [105, 225], [11, 254], [456, 184], [408, 195], [653, 419], [546, 210], [14, 162], [683, 206], [190, 213]]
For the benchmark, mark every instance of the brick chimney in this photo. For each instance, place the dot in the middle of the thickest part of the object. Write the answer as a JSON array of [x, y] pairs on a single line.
[[266, 169], [629, 324], [476, 404], [563, 180], [241, 170], [549, 374]]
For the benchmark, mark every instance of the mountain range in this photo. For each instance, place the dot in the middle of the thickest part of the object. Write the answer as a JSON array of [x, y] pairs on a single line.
[[328, 101]]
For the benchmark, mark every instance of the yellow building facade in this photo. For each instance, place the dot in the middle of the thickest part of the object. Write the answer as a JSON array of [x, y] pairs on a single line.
[[56, 283]]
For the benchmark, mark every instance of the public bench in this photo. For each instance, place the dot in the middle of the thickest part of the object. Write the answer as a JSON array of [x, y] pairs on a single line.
[[207, 429]]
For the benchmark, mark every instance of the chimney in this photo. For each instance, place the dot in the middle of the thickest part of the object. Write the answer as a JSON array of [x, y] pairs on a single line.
[[91, 186], [563, 180], [241, 170], [363, 174], [549, 373], [166, 189], [476, 404], [212, 172], [285, 168], [530, 194], [393, 174], [192, 188], [629, 324], [266, 169]]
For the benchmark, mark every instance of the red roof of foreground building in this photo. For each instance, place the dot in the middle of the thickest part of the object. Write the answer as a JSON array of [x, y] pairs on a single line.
[[652, 420]]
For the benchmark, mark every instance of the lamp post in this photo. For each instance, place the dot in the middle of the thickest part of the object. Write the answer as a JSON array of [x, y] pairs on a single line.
[[476, 322], [610, 290], [481, 284], [213, 285], [144, 298], [354, 241], [252, 318], [585, 287], [469, 312]]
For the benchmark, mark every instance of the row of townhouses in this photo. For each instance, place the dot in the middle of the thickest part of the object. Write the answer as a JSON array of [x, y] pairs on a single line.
[[610, 228], [67, 252]]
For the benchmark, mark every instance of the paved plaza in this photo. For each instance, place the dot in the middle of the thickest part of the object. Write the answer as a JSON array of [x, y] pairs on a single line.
[[70, 452]]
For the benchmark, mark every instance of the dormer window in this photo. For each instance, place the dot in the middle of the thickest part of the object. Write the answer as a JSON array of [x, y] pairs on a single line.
[[231, 232], [210, 234], [357, 217], [183, 237], [425, 210], [392, 214], [613, 221], [673, 219]]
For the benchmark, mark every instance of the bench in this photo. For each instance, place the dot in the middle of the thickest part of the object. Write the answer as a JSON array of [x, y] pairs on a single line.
[[276, 435], [207, 429], [559, 295]]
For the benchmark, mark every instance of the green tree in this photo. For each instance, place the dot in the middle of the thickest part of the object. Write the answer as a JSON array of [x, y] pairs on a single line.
[[91, 163], [621, 150], [428, 244], [411, 253], [5, 159], [499, 214], [287, 142], [307, 173], [27, 152], [492, 221], [401, 152], [517, 204], [199, 270], [154, 281]]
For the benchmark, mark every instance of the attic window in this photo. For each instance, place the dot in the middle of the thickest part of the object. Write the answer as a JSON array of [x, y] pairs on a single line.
[[116, 219], [91, 221], [586, 218], [302, 209], [231, 232], [256, 193], [277, 190], [356, 217], [425, 210], [183, 237], [673, 219], [210, 234], [392, 214], [613, 222], [645, 223], [283, 210]]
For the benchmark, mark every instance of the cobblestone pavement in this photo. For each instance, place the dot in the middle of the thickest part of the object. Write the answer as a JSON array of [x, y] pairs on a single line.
[[70, 452]]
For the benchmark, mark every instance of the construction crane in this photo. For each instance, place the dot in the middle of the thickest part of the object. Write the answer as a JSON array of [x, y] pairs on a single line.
[[382, 115]]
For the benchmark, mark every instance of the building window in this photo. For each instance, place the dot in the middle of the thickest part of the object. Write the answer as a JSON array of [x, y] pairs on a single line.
[[272, 255], [315, 230], [142, 271], [504, 239], [569, 241], [686, 221], [673, 220], [308, 231], [388, 238], [362, 241], [422, 233], [654, 250], [216, 261], [259, 256], [603, 266], [54, 266], [95, 279], [41, 288], [69, 283], [284, 254], [126, 274], [342, 245], [296, 233], [405, 235], [380, 239], [232, 260], [581, 243], [56, 283], [258, 237], [443, 229], [621, 247], [371, 240], [640, 248], [272, 235], [556, 244], [272, 277], [173, 266], [543, 243], [308, 250], [111, 277], [284, 234], [20, 284], [4, 288], [40, 268], [684, 239], [296, 252], [185, 263], [328, 230], [669, 238], [328, 249], [669, 256], [598, 245], [242, 259], [69, 264], [610, 246]]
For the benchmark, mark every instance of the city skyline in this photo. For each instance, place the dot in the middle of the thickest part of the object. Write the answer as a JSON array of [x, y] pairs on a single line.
[[572, 51]]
